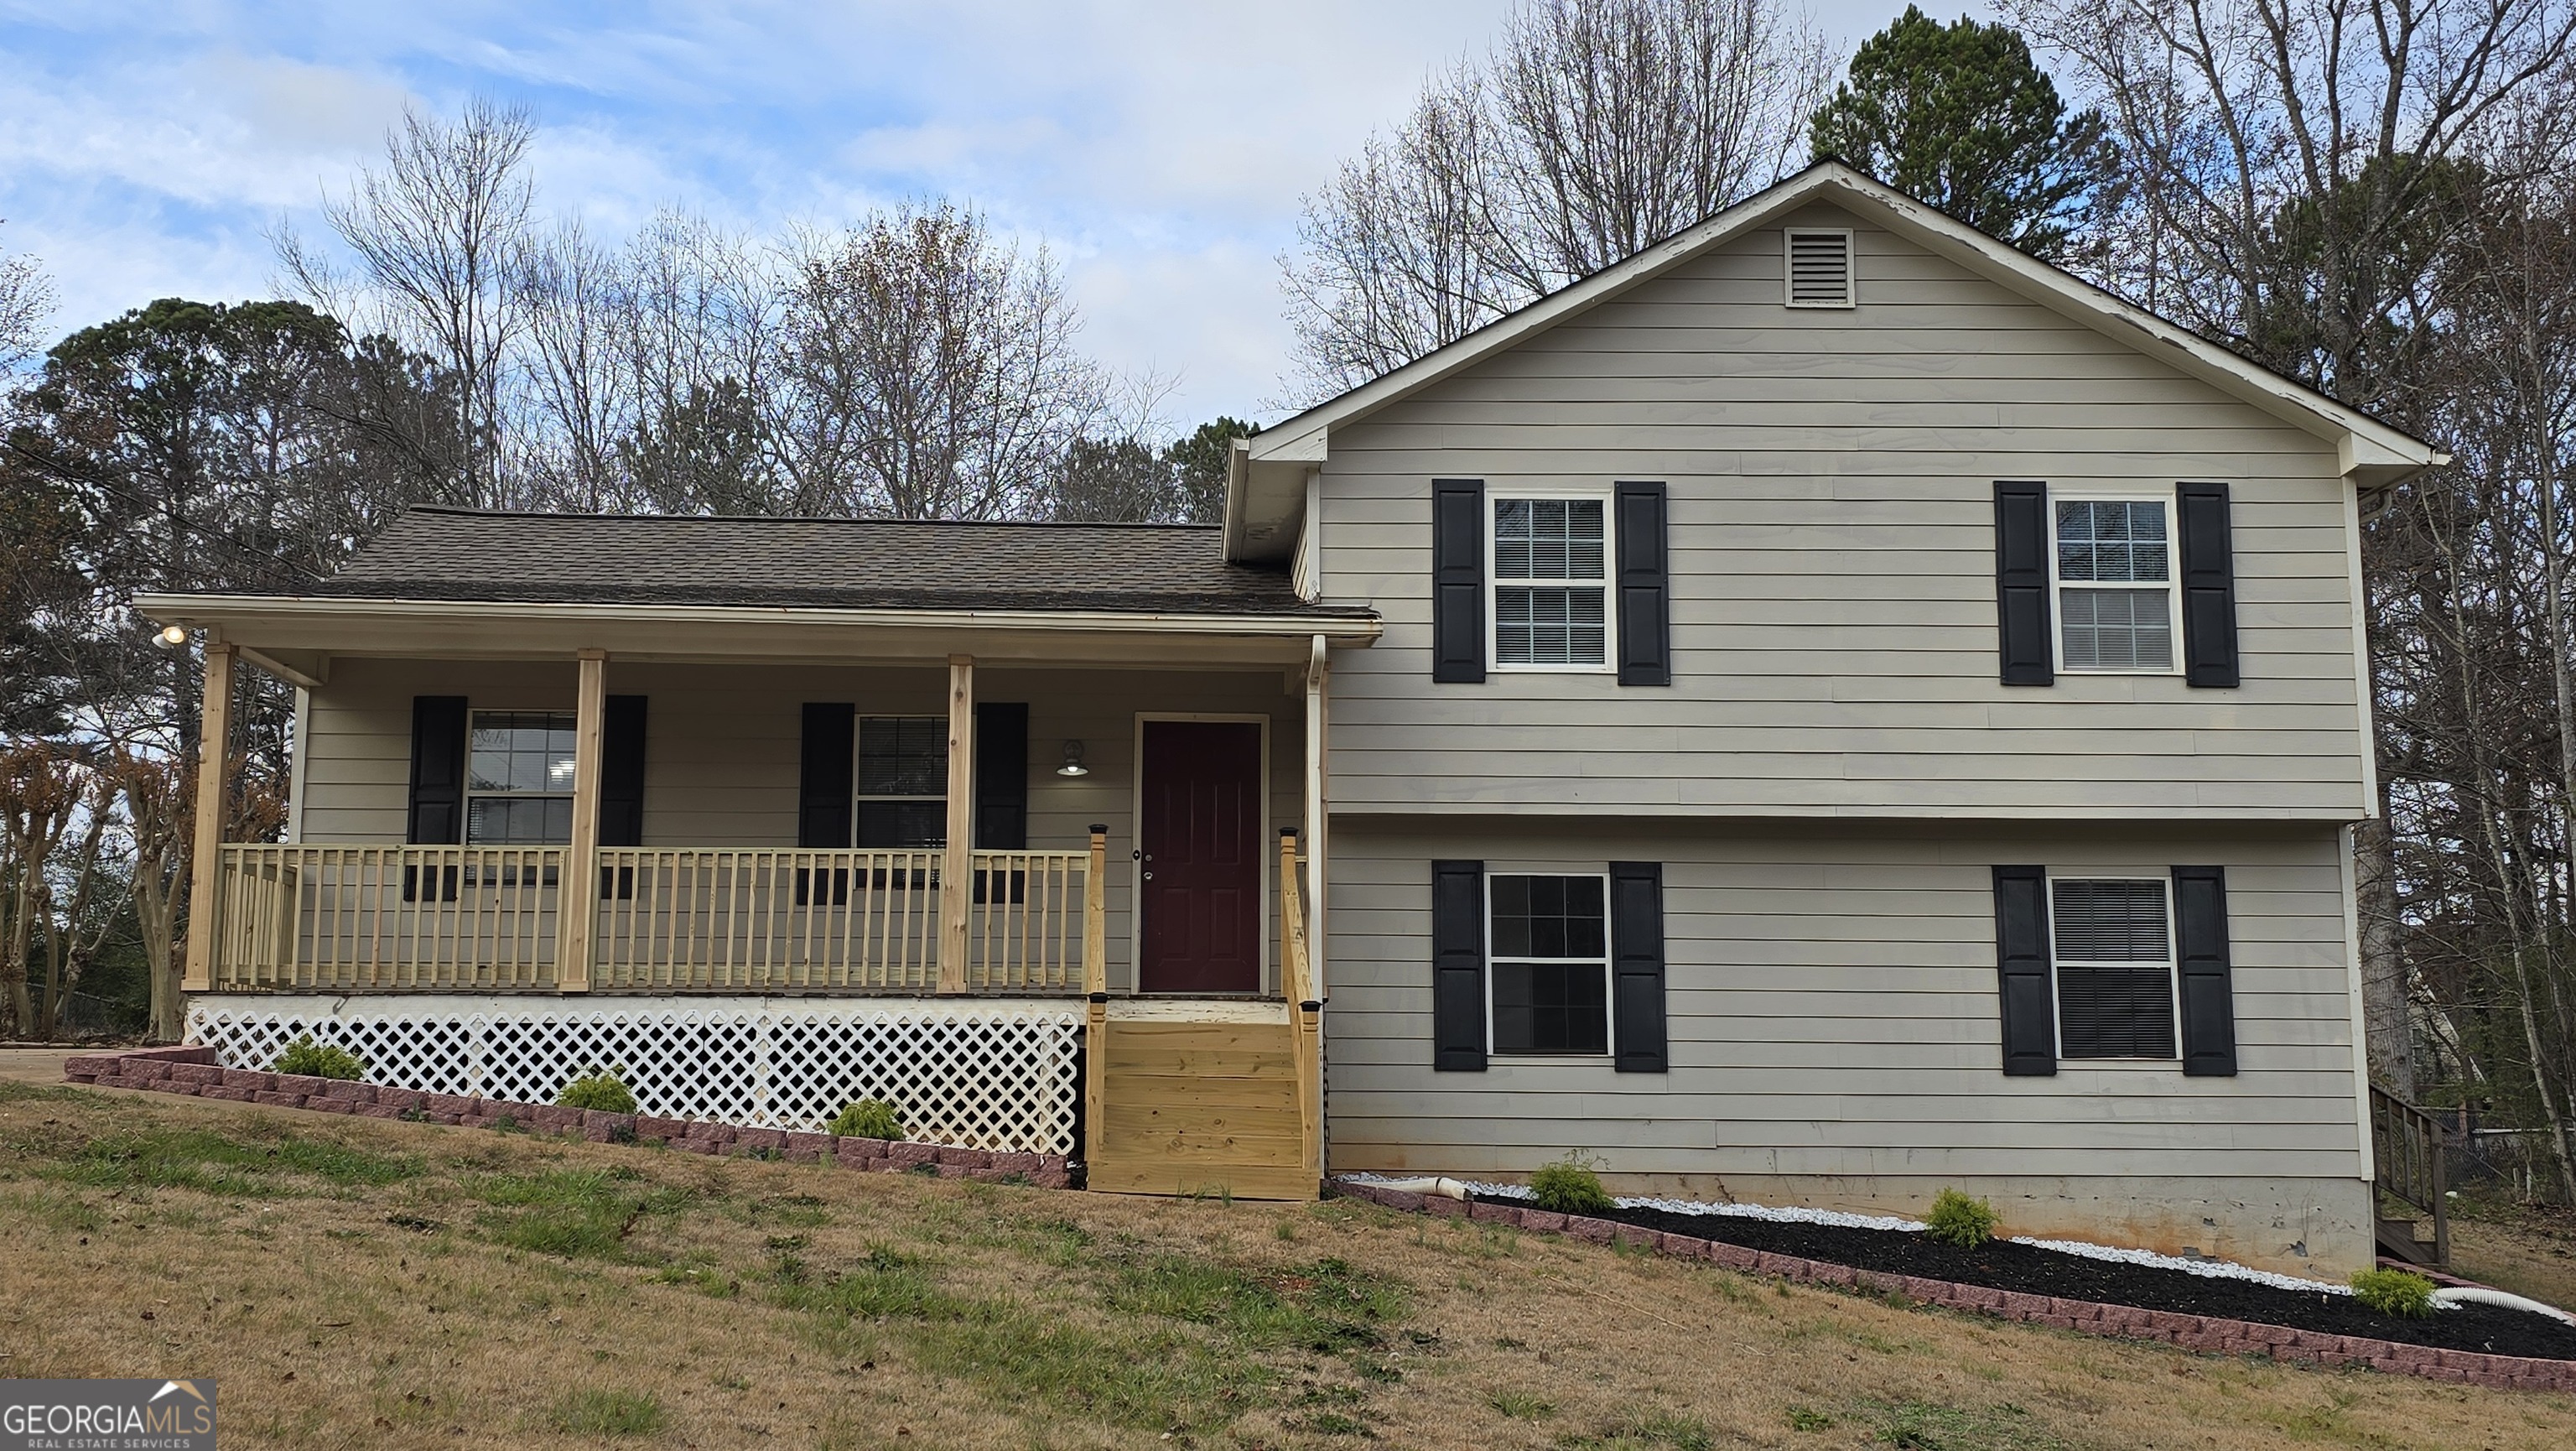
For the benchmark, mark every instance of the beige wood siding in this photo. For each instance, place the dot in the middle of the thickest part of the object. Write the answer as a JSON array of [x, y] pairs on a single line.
[[722, 743], [1831, 1007], [1832, 543]]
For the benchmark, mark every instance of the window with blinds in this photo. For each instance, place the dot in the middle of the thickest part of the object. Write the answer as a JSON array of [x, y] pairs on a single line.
[[2115, 585], [1551, 584], [1819, 268], [2113, 952]]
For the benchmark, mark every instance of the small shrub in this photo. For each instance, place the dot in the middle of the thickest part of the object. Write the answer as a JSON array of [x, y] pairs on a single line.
[[601, 1091], [319, 1060], [1959, 1220], [1569, 1186], [2394, 1292], [869, 1118]]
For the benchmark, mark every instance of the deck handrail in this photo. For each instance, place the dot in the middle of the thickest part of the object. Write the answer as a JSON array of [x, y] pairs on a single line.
[[1297, 984], [290, 917], [2411, 1160], [321, 917]]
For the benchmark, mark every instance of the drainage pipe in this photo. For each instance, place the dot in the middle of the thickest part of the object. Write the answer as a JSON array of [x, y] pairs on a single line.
[[2481, 1295]]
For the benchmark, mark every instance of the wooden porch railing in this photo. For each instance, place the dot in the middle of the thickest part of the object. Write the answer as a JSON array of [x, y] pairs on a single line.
[[2407, 1149], [386, 917], [330, 918], [1305, 1006], [761, 919]]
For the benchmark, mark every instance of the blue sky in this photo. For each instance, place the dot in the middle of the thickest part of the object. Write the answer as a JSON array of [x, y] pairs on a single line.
[[1160, 148]]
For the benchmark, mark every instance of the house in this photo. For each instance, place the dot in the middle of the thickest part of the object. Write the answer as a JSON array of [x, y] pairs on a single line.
[[1827, 709]]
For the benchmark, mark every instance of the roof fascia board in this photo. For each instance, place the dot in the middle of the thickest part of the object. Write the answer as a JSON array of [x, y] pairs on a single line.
[[2384, 454], [232, 613]]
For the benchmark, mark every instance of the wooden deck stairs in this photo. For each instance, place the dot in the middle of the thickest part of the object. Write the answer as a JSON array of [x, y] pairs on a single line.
[[1201, 1107], [2409, 1159], [1212, 1098]]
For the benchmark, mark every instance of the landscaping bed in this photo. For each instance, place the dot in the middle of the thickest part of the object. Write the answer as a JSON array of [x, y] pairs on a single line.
[[2030, 1270]]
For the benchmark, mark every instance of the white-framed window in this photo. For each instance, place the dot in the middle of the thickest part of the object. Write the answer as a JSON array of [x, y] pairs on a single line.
[[1548, 562], [903, 781], [518, 777], [1817, 264], [2118, 593], [1547, 969], [2112, 949]]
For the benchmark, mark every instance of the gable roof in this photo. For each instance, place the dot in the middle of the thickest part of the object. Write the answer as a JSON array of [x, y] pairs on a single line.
[[435, 553], [1265, 487]]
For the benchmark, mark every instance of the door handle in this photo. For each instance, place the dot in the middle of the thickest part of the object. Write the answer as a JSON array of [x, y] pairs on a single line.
[[1149, 876]]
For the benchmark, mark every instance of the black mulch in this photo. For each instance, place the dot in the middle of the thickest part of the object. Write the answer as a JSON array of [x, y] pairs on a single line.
[[2004, 1266]]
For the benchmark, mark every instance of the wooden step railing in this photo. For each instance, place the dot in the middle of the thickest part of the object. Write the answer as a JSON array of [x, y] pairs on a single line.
[[2407, 1150]]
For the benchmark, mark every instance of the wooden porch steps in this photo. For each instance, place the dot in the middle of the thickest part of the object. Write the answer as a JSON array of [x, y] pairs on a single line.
[[1205, 1108]]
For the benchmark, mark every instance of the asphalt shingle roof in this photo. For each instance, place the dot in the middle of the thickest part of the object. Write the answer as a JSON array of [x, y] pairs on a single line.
[[432, 553]]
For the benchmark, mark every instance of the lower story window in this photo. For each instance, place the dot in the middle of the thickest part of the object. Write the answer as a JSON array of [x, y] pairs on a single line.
[[2113, 952], [903, 781], [518, 778], [1550, 963]]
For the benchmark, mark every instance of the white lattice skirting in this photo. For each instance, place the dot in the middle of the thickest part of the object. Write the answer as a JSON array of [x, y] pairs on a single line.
[[984, 1074]]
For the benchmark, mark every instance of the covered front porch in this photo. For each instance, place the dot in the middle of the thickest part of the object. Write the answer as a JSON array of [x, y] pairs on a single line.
[[1022, 814]]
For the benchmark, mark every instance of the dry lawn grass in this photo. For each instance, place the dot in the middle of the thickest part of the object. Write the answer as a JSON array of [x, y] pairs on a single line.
[[398, 1285], [2528, 1250]]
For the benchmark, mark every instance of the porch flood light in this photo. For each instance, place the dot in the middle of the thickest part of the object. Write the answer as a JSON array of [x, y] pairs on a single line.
[[173, 635], [1073, 761]]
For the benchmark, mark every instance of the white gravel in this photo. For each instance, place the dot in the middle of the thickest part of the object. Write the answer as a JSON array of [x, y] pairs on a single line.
[[2206, 1269]]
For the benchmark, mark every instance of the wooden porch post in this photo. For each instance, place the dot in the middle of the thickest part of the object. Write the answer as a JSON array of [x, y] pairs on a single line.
[[956, 894], [577, 894], [1095, 989], [214, 762], [1319, 675]]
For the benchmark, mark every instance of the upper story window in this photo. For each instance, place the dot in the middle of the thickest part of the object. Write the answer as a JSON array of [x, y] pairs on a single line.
[[903, 781], [2114, 566], [518, 781], [1550, 578], [1550, 963], [2114, 959]]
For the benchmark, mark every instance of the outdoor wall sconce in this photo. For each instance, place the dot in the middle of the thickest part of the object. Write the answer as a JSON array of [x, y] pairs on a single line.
[[1073, 761]]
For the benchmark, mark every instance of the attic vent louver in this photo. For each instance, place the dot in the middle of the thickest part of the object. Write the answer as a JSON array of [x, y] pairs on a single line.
[[1819, 268]]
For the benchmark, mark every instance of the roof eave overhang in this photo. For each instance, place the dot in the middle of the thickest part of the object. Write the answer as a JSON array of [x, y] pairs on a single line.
[[1266, 487], [304, 631]]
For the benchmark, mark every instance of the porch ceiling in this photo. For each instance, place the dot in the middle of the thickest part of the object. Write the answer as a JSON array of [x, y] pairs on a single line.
[[299, 633]]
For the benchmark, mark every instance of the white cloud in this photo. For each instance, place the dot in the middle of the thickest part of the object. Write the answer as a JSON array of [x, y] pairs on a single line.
[[1160, 145]]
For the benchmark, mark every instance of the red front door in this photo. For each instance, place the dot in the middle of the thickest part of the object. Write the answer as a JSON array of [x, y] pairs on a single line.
[[1201, 871]]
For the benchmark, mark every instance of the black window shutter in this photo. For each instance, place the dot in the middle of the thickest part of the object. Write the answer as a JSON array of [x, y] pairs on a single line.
[[1458, 967], [2021, 583], [2208, 586], [2208, 995], [1458, 582], [1001, 775], [826, 776], [621, 772], [2021, 952], [1645, 588], [1637, 965], [437, 815]]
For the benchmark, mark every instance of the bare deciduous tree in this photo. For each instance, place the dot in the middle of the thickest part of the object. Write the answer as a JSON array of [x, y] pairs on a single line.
[[1593, 128], [932, 370], [439, 235]]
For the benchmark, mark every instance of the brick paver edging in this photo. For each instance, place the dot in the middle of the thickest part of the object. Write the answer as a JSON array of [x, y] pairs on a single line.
[[194, 1071], [2191, 1332]]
